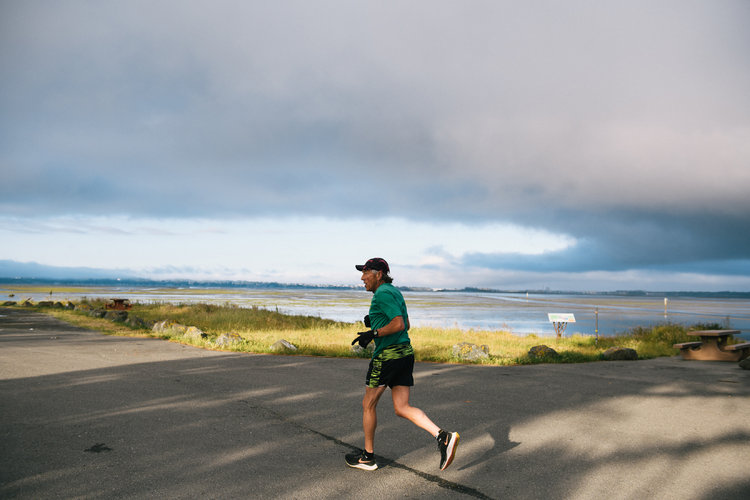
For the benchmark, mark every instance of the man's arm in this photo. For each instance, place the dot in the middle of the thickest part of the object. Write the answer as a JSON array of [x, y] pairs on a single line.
[[395, 326]]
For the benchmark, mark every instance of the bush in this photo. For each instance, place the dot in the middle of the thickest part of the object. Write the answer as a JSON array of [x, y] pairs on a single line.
[[668, 333], [218, 319]]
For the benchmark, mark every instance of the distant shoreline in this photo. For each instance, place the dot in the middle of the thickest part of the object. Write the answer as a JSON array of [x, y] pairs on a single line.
[[261, 285]]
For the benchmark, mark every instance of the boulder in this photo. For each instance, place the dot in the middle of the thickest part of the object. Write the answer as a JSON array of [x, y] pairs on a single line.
[[542, 352], [97, 313], [283, 346], [470, 352], [619, 354], [119, 316], [9, 303], [160, 326], [228, 339], [193, 332], [136, 322], [169, 327], [357, 349], [45, 303], [745, 364]]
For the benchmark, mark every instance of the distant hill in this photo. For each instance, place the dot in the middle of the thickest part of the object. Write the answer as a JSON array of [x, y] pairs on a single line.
[[13, 270], [32, 272]]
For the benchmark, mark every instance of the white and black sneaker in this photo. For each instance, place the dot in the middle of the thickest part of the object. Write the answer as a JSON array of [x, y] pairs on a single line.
[[361, 460], [447, 444]]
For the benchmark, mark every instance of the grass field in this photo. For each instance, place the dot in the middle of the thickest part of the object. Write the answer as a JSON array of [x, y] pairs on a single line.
[[259, 329]]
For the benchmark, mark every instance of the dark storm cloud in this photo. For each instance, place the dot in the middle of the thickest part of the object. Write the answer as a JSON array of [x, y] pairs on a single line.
[[624, 125], [619, 242]]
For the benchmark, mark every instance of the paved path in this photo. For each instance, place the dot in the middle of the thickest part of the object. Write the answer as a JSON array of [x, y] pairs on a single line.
[[91, 416]]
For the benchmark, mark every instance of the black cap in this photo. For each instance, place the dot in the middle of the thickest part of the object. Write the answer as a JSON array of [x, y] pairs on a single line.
[[374, 264]]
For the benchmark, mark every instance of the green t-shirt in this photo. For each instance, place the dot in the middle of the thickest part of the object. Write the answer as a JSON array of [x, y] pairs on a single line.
[[387, 303]]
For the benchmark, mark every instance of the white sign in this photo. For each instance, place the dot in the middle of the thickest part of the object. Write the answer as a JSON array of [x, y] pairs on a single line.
[[561, 318]]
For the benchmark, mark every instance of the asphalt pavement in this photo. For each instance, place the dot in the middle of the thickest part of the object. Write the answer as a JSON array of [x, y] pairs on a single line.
[[84, 415]]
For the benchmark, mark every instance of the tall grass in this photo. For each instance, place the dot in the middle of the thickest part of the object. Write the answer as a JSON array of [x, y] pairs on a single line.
[[260, 328], [217, 319]]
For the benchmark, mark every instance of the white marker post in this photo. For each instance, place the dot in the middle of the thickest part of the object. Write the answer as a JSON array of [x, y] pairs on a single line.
[[560, 321], [596, 327]]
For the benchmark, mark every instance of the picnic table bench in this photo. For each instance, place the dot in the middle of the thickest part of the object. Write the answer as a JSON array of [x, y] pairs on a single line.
[[118, 305], [713, 346]]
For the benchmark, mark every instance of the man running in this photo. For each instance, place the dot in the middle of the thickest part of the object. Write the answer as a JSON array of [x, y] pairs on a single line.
[[391, 366]]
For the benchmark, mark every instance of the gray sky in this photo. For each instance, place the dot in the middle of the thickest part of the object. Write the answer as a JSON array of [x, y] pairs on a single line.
[[616, 133]]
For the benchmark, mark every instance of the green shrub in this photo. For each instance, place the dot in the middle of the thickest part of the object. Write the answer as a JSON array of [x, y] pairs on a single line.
[[218, 319]]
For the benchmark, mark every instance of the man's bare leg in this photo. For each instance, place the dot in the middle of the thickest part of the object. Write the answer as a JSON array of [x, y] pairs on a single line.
[[403, 409], [370, 416]]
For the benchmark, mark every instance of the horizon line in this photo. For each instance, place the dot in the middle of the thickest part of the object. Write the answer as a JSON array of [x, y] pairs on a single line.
[[276, 284]]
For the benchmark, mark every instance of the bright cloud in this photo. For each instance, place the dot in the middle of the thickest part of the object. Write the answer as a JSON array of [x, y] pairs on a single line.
[[296, 249]]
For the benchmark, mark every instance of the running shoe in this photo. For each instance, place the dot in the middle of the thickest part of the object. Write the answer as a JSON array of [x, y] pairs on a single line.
[[360, 461], [447, 444]]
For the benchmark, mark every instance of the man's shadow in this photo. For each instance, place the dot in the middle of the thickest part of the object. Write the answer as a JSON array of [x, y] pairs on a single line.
[[500, 434]]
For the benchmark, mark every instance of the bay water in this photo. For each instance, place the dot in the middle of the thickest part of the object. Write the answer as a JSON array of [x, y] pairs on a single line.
[[518, 313]]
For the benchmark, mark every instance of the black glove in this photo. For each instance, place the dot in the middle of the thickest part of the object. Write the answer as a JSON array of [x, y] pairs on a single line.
[[367, 321], [364, 338]]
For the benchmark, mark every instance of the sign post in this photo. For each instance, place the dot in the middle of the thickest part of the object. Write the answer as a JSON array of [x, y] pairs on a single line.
[[596, 328], [560, 321]]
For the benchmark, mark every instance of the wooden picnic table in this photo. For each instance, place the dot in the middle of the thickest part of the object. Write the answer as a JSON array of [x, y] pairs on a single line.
[[119, 305], [714, 346]]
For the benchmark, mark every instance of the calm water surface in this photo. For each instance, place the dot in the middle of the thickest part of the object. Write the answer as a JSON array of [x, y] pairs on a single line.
[[518, 313]]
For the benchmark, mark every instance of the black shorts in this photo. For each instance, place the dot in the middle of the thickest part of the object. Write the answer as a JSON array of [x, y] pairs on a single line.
[[393, 366]]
